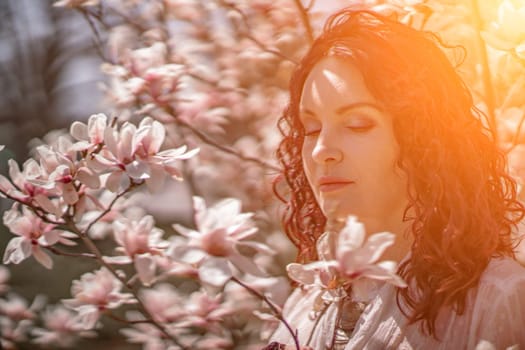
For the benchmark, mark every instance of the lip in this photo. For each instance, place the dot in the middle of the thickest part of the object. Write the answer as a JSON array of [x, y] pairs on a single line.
[[332, 183]]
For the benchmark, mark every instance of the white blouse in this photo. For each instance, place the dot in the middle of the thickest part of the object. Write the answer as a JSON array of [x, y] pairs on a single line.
[[495, 313]]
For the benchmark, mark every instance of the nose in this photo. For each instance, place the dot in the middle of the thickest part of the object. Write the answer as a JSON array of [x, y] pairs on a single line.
[[327, 149]]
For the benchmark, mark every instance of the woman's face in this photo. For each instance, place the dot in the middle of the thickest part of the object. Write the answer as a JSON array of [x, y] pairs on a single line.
[[349, 150]]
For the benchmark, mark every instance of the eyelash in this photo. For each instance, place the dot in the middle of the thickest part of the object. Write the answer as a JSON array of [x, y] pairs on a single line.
[[357, 129]]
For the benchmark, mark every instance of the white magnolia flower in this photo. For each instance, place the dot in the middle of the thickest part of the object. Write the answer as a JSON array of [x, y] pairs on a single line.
[[213, 245], [349, 260]]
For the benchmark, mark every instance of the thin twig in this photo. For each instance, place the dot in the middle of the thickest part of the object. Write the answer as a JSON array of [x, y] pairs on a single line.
[[108, 209], [303, 13], [248, 33], [277, 313], [319, 316], [516, 137], [97, 38], [61, 252], [487, 80], [122, 320], [36, 210], [226, 149]]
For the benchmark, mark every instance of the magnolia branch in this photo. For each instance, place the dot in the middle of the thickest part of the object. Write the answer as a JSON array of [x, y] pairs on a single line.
[[248, 33], [277, 313], [303, 13], [226, 149], [57, 251], [486, 76], [37, 210]]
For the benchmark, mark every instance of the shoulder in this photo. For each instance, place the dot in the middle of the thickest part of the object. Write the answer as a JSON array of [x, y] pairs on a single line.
[[498, 310], [503, 274]]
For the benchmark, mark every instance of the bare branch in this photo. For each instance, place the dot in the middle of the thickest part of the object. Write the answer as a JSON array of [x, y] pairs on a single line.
[[277, 313], [303, 12]]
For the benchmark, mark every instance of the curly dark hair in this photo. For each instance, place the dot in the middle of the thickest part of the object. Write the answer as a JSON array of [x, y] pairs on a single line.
[[462, 202]]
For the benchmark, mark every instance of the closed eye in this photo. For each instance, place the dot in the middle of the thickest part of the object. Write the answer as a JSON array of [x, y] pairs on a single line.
[[311, 132]]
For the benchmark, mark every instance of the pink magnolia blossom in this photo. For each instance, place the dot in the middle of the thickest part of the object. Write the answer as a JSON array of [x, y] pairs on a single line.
[[205, 311], [94, 293], [16, 308], [213, 246], [134, 153], [62, 171], [33, 234], [164, 303], [347, 260], [62, 328], [149, 335], [13, 332], [89, 136], [139, 242], [21, 187]]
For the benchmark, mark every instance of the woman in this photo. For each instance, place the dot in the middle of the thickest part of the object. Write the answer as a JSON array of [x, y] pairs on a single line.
[[379, 125]]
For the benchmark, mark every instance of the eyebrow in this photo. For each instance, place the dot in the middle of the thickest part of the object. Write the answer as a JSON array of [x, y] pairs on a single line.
[[349, 107]]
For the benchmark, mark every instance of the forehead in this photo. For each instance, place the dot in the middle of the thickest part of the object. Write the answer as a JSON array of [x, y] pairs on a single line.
[[333, 82]]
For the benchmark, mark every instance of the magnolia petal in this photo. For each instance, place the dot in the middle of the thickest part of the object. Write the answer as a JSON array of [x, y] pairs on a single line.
[[138, 170], [189, 255], [125, 144], [369, 253], [157, 135], [69, 193], [40, 256], [88, 177], [352, 236], [88, 316], [48, 205], [2, 147], [49, 238], [363, 290], [297, 273], [157, 177], [117, 260], [245, 265], [215, 271], [113, 181], [174, 172], [5, 185], [260, 247], [97, 124], [18, 249], [79, 131], [145, 266]]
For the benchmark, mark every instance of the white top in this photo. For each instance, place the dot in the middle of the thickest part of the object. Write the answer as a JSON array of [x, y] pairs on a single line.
[[495, 312]]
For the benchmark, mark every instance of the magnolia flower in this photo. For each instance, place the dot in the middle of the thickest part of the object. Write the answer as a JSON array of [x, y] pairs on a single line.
[[164, 303], [91, 135], [507, 33], [94, 293], [213, 246], [21, 187], [205, 311], [134, 153], [12, 332], [16, 308], [33, 234], [139, 242], [62, 328], [349, 261]]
